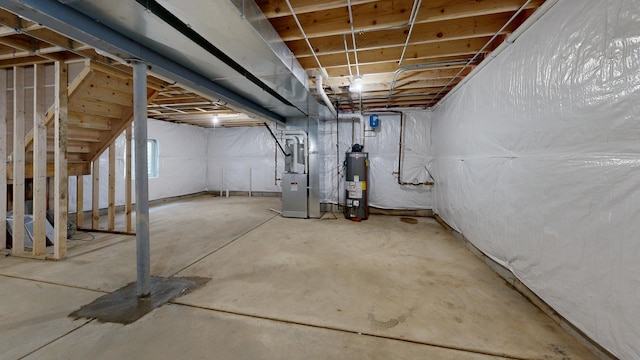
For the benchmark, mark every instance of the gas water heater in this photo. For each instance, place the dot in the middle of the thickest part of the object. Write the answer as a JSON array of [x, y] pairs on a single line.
[[356, 198]]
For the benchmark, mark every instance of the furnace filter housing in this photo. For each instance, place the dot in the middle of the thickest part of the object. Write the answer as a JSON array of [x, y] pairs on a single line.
[[357, 200]]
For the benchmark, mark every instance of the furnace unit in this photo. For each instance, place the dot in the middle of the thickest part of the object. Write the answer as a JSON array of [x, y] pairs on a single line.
[[356, 198], [295, 178]]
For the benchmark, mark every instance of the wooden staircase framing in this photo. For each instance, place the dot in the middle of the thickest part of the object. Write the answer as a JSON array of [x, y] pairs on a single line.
[[87, 116]]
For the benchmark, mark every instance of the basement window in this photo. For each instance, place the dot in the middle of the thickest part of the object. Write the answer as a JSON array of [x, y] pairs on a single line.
[[153, 158]]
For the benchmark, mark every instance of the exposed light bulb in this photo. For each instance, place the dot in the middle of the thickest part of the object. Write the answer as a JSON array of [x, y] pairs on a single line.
[[356, 85], [215, 119]]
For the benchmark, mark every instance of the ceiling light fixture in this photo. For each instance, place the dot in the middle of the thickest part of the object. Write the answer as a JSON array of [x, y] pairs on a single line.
[[215, 119], [356, 85]]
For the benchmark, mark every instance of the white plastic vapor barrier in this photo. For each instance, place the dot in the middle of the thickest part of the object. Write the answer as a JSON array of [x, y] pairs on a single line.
[[537, 163], [243, 159], [382, 144], [182, 162]]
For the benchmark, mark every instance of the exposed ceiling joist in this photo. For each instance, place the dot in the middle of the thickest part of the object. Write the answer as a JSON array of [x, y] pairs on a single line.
[[399, 52]]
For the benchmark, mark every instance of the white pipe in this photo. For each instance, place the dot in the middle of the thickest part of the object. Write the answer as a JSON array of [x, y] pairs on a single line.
[[508, 41], [250, 182], [323, 94], [305, 145], [221, 181], [360, 119], [412, 20]]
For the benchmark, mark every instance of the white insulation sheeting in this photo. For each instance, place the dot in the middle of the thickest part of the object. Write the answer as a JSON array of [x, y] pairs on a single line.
[[538, 165], [182, 160], [382, 145], [242, 157]]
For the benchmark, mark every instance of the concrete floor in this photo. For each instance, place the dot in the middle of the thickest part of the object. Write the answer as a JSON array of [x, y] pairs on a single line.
[[280, 289]]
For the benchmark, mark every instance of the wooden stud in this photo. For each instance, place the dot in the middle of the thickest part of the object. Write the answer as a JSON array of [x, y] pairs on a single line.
[[18, 160], [61, 186], [80, 201], [3, 158], [95, 198], [73, 169], [127, 181], [112, 187], [39, 163]]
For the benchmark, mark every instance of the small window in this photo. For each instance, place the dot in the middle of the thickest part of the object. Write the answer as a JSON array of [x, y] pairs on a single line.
[[153, 158]]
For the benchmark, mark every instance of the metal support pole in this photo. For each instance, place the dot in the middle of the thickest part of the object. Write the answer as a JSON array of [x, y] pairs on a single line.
[[142, 178]]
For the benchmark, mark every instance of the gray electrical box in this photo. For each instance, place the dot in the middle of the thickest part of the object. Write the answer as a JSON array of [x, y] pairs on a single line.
[[294, 195]]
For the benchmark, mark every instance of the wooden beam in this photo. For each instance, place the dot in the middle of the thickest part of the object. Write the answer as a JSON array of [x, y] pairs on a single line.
[[371, 16], [126, 73], [61, 179], [84, 135], [407, 93], [279, 8], [22, 61], [33, 48], [3, 158], [438, 31], [80, 201], [413, 75], [73, 147], [39, 163], [96, 108], [112, 188], [95, 194], [73, 169], [18, 160], [386, 67], [127, 179], [13, 21], [89, 121], [377, 87], [106, 95], [463, 48]]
